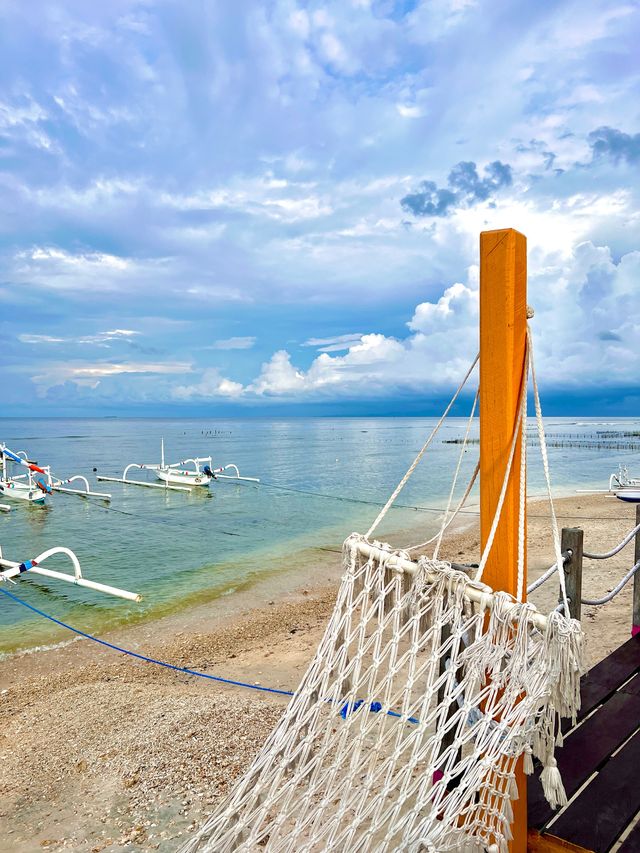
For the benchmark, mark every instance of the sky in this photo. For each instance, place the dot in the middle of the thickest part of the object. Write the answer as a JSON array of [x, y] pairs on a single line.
[[273, 206]]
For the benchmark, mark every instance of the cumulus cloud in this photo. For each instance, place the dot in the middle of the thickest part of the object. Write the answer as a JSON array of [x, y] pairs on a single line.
[[465, 188], [586, 312], [615, 144], [211, 385]]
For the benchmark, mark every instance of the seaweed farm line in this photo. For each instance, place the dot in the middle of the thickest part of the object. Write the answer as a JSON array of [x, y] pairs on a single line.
[[322, 479]]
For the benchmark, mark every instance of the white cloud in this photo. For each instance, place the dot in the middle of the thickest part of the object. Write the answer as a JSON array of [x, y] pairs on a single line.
[[234, 343], [211, 385], [334, 344], [410, 110], [586, 313], [91, 374], [40, 339], [101, 337]]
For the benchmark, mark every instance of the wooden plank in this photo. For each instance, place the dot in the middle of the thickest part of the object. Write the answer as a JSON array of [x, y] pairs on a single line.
[[632, 686], [605, 677], [585, 751], [503, 328], [543, 843], [631, 844], [602, 811]]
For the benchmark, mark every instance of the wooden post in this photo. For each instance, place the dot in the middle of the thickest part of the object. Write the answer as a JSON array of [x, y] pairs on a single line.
[[635, 627], [572, 538], [503, 325]]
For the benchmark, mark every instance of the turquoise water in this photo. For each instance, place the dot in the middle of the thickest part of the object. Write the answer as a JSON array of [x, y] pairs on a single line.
[[177, 548]]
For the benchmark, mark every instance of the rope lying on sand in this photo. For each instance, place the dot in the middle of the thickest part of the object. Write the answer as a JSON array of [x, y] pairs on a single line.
[[374, 707], [146, 658]]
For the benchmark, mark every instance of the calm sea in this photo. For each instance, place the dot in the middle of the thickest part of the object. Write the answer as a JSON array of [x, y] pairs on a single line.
[[320, 480]]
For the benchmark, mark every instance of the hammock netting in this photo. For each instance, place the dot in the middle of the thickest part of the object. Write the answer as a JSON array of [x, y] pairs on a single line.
[[405, 730]]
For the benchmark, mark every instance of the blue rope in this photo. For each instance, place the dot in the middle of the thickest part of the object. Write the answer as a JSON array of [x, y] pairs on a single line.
[[182, 669], [348, 708]]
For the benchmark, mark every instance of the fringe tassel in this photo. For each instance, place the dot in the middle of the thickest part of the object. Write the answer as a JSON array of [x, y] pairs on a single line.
[[552, 785], [528, 762]]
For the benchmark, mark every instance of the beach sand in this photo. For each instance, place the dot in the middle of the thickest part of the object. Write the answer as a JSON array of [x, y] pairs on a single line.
[[101, 752]]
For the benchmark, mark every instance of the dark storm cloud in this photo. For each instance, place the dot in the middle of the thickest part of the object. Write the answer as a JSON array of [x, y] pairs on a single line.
[[466, 187], [614, 143]]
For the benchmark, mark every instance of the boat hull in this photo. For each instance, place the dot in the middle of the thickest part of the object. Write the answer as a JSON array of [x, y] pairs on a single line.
[[628, 495], [182, 478], [20, 492]]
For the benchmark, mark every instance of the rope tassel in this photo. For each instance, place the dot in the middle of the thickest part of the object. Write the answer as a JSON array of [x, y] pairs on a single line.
[[552, 785]]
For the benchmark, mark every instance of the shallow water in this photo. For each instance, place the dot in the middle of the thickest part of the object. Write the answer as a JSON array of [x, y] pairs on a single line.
[[320, 480]]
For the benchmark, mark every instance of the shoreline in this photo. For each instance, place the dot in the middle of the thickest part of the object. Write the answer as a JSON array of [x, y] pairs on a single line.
[[100, 750], [310, 556]]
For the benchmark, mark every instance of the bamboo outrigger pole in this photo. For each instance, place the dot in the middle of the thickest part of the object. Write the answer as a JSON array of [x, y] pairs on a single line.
[[10, 569], [503, 332]]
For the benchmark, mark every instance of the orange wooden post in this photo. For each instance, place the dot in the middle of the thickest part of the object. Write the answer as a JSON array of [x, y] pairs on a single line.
[[503, 325]]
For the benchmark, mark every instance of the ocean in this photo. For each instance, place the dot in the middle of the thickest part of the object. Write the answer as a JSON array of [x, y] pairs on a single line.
[[321, 479]]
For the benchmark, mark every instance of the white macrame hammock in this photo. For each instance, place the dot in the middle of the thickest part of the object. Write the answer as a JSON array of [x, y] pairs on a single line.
[[405, 730]]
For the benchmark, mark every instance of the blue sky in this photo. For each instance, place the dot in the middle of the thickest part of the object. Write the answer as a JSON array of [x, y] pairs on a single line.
[[263, 207]]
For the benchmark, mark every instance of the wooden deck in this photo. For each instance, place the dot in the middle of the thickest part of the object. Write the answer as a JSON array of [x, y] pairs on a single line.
[[600, 766]]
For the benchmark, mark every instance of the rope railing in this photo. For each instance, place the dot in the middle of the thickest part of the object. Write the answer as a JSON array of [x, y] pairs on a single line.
[[610, 595], [617, 548], [550, 572]]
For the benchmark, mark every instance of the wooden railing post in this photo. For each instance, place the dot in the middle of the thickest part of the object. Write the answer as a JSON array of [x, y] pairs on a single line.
[[503, 333], [572, 539], [635, 627]]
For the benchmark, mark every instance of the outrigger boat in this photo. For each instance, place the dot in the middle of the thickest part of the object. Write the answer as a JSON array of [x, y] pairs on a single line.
[[622, 480], [177, 477], [624, 487], [34, 488], [10, 569], [25, 487], [621, 486]]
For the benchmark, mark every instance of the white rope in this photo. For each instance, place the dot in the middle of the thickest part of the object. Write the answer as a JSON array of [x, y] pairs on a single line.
[[545, 464], [550, 572], [416, 461], [621, 584], [454, 482], [446, 519], [522, 500], [615, 550], [507, 476], [457, 510]]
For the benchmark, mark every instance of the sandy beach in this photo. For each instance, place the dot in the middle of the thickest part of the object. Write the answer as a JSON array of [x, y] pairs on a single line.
[[101, 752]]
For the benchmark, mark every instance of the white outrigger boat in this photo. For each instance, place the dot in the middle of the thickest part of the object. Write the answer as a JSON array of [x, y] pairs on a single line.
[[622, 480], [624, 487], [177, 476], [9, 569], [24, 487], [33, 488], [621, 486]]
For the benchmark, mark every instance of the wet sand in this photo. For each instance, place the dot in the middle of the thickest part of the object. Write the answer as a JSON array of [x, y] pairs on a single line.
[[102, 752]]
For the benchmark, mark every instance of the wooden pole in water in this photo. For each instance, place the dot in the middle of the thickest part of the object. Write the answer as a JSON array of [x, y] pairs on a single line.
[[503, 327]]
